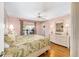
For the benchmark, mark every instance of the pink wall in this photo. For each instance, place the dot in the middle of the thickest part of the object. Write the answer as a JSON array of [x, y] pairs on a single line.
[[41, 30], [65, 19], [38, 28], [15, 22], [26, 22], [50, 25]]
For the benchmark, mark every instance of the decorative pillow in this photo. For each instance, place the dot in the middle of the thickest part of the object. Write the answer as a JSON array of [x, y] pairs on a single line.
[[8, 40], [12, 36]]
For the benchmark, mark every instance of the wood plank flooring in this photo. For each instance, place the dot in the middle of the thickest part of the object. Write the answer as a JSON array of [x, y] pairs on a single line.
[[56, 51]]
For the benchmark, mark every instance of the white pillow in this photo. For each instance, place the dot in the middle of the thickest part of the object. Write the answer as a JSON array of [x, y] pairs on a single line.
[[6, 45]]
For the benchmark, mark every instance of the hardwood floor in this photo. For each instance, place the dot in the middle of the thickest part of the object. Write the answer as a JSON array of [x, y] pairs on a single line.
[[56, 51]]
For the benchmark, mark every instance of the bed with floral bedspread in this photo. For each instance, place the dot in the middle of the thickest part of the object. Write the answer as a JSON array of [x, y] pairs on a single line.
[[23, 46]]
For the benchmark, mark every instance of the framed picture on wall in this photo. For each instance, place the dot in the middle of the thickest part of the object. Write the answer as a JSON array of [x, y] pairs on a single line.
[[59, 28]]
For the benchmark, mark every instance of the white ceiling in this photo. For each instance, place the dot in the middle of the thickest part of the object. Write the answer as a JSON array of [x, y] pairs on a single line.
[[30, 10]]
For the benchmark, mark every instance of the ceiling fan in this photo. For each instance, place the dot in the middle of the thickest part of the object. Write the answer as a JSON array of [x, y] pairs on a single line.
[[40, 17]]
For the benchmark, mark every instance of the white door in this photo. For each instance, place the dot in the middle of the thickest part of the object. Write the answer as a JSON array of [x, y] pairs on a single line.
[[1, 27]]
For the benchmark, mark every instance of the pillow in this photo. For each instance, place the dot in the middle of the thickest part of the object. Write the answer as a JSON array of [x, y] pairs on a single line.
[[12, 36], [8, 40], [6, 45]]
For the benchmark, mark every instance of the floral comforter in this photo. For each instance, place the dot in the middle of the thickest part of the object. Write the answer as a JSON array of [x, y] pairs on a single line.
[[25, 45]]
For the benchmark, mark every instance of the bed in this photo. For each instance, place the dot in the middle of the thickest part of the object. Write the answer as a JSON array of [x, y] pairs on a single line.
[[26, 46]]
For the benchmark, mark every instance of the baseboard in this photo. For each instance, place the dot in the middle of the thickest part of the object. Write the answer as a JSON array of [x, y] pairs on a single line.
[[59, 44]]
